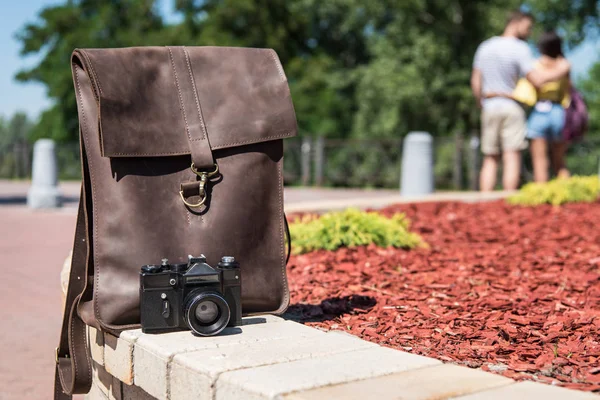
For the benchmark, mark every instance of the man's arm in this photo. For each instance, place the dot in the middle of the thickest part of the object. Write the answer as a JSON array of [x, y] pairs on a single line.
[[476, 85], [538, 77]]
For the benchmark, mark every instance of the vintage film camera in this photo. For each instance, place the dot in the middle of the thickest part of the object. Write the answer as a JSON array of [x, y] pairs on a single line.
[[192, 296]]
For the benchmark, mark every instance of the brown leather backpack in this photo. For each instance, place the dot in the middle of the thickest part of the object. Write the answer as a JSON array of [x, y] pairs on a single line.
[[182, 153]]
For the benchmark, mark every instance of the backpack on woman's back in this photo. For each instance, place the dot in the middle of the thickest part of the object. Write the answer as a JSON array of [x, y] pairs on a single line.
[[576, 117]]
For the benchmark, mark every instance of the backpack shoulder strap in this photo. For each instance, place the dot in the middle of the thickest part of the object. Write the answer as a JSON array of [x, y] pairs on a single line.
[[73, 371]]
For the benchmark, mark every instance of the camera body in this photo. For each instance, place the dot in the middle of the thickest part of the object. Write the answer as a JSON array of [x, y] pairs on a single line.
[[191, 295]]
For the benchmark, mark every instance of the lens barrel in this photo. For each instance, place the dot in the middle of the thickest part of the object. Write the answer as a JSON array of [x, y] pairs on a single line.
[[206, 313]]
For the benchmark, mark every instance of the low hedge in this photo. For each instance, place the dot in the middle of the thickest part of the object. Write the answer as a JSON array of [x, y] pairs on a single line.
[[351, 228], [558, 191]]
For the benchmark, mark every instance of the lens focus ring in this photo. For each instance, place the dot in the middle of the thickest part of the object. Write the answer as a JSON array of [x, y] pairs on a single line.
[[206, 313]]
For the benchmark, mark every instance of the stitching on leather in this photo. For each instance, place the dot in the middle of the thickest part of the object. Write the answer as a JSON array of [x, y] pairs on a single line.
[[89, 61], [187, 128], [217, 147], [277, 64], [84, 130], [187, 60], [95, 74], [62, 380], [178, 153], [96, 292], [286, 295], [87, 351], [73, 357], [56, 392], [261, 139]]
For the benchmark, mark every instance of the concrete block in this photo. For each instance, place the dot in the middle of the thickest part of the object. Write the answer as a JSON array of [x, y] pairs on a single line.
[[438, 382], [96, 341], [118, 354], [44, 192], [153, 353], [417, 165], [271, 381], [135, 393], [101, 379], [193, 374], [95, 393], [530, 391]]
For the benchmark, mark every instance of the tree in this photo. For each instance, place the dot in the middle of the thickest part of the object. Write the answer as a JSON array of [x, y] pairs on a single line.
[[15, 130], [591, 93], [377, 68], [85, 23], [14, 149]]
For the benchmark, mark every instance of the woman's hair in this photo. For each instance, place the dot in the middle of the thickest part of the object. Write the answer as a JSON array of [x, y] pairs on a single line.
[[550, 44]]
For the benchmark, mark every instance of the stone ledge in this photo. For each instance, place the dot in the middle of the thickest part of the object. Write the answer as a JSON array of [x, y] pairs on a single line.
[[272, 381], [271, 358], [531, 390], [437, 382]]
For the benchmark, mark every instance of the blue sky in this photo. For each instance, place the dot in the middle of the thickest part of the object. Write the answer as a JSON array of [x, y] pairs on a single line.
[[31, 98]]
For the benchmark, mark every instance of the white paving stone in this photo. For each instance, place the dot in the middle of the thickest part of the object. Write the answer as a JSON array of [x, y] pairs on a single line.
[[193, 374], [269, 382], [530, 391], [96, 341], [118, 354], [436, 382], [154, 353], [96, 393]]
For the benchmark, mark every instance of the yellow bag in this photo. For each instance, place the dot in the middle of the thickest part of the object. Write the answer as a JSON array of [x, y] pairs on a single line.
[[525, 93]]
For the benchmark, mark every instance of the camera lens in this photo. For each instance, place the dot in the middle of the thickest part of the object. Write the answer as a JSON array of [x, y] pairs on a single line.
[[206, 313]]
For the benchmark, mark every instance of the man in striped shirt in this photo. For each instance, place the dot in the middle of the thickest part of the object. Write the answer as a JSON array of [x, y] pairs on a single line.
[[499, 63]]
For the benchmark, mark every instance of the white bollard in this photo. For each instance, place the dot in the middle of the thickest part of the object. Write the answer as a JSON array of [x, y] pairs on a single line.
[[417, 165], [44, 192]]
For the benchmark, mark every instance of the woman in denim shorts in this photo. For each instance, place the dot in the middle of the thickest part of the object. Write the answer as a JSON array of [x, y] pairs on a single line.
[[547, 119]]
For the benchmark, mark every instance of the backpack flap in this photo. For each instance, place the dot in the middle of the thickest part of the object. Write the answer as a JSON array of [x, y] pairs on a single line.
[[241, 94]]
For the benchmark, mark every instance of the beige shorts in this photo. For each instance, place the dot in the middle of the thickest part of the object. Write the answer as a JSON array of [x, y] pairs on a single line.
[[503, 129]]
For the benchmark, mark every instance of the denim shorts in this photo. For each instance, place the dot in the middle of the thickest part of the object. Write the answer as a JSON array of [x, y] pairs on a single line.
[[546, 121]]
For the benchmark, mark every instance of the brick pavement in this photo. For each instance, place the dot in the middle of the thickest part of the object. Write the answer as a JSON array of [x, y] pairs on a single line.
[[33, 248]]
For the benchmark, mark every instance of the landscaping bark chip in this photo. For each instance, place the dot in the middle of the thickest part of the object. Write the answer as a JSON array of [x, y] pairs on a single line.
[[512, 290]]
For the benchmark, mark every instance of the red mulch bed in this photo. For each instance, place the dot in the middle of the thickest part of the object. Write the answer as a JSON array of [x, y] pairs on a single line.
[[513, 290]]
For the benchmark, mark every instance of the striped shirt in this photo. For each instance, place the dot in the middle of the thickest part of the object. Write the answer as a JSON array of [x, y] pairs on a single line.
[[502, 61]]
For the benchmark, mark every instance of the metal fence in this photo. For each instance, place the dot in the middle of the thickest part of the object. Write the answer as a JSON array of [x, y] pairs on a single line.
[[343, 162], [377, 163]]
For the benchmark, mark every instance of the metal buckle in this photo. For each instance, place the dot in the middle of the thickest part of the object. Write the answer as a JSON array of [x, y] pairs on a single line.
[[56, 356]]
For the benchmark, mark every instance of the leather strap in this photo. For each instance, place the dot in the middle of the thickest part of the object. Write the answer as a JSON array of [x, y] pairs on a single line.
[[189, 103], [288, 239], [73, 373]]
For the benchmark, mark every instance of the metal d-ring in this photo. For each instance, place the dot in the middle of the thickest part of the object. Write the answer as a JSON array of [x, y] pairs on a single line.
[[191, 205]]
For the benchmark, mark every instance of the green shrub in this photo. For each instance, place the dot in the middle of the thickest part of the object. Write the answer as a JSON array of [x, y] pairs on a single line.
[[558, 191], [351, 228]]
